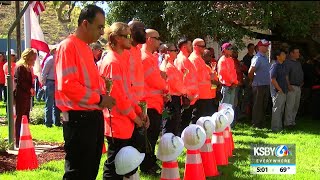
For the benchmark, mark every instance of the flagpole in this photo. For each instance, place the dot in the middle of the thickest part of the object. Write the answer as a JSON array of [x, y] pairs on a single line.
[[9, 79], [27, 29]]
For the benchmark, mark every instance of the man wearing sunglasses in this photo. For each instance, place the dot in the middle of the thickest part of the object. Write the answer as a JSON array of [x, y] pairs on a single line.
[[155, 87], [204, 103]]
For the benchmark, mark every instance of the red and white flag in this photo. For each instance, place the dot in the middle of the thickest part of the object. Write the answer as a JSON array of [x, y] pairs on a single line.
[[37, 37]]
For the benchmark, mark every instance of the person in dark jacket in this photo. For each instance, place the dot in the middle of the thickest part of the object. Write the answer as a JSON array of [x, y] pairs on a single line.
[[24, 87]]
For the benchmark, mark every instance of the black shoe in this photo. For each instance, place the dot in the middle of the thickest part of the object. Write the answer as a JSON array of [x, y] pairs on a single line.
[[290, 127]]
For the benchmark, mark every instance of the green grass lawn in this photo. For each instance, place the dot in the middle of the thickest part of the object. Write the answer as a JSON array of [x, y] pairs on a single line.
[[306, 138]]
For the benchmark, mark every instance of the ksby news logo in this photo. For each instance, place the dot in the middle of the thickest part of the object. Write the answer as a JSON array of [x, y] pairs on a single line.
[[279, 151], [282, 151]]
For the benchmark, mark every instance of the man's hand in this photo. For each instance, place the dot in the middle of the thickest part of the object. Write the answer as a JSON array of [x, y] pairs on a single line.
[[147, 122], [107, 102], [138, 121]]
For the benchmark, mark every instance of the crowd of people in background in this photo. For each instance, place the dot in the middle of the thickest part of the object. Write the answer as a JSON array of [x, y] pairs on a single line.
[[182, 78]]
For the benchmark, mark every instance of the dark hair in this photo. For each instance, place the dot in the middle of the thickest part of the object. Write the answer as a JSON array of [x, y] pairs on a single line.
[[278, 52], [250, 44], [183, 40], [292, 48], [89, 13]]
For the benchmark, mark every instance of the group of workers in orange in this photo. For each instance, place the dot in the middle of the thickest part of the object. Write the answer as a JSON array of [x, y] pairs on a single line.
[[183, 83]]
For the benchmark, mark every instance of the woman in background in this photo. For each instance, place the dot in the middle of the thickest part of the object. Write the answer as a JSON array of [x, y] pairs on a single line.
[[24, 87]]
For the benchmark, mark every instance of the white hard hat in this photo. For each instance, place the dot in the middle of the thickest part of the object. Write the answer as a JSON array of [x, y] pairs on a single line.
[[228, 111], [224, 106], [127, 159], [193, 137], [12, 52], [207, 124], [170, 147], [221, 121]]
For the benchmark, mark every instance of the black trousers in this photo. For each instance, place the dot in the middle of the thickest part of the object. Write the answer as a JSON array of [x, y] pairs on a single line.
[[153, 135], [202, 107], [109, 170], [83, 135], [173, 123], [261, 96]]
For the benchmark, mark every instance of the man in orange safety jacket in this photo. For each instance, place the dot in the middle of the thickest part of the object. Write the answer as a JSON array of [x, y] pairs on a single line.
[[204, 103], [190, 80], [80, 96], [155, 87]]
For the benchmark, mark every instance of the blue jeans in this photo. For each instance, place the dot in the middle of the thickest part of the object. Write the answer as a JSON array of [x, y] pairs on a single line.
[[51, 109], [228, 95]]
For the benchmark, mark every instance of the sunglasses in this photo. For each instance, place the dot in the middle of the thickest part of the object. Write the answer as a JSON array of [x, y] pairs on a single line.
[[128, 36], [157, 38]]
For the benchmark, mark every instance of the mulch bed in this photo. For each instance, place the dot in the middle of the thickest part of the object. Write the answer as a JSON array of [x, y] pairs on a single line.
[[8, 161]]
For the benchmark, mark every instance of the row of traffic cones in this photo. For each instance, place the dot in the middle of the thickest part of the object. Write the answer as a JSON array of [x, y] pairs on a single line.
[[202, 163]]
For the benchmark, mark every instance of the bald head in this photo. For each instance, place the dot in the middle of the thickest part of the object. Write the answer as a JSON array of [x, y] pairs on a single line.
[[198, 41], [151, 33]]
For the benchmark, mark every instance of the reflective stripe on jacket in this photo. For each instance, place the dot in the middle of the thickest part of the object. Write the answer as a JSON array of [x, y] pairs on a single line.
[[190, 78], [203, 76], [155, 85], [136, 75], [174, 80], [114, 66], [78, 84]]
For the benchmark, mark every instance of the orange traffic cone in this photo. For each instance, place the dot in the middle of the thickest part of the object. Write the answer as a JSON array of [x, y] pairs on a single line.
[[27, 158], [208, 159], [227, 141], [170, 171], [104, 150], [219, 149], [194, 167]]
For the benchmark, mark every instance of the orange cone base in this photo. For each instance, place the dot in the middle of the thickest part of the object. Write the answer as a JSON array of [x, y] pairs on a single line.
[[227, 146], [194, 172], [220, 154], [27, 159], [209, 164], [170, 171]]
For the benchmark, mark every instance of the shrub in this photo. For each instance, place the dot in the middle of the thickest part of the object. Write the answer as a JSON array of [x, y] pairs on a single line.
[[37, 115], [4, 145]]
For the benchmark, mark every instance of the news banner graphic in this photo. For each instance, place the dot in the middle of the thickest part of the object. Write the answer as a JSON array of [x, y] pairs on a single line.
[[273, 159]]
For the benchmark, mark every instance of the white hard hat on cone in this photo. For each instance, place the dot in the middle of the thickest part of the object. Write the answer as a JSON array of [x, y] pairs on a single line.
[[221, 121], [207, 124], [127, 159], [193, 137], [170, 147], [228, 111]]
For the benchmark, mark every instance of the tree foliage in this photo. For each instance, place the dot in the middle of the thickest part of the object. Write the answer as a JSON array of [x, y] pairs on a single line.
[[225, 20]]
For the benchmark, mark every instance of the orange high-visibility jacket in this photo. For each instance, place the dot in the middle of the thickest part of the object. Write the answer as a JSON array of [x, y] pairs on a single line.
[[226, 71], [78, 84], [136, 75], [203, 76], [174, 80], [215, 74], [190, 78], [123, 113], [155, 85]]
